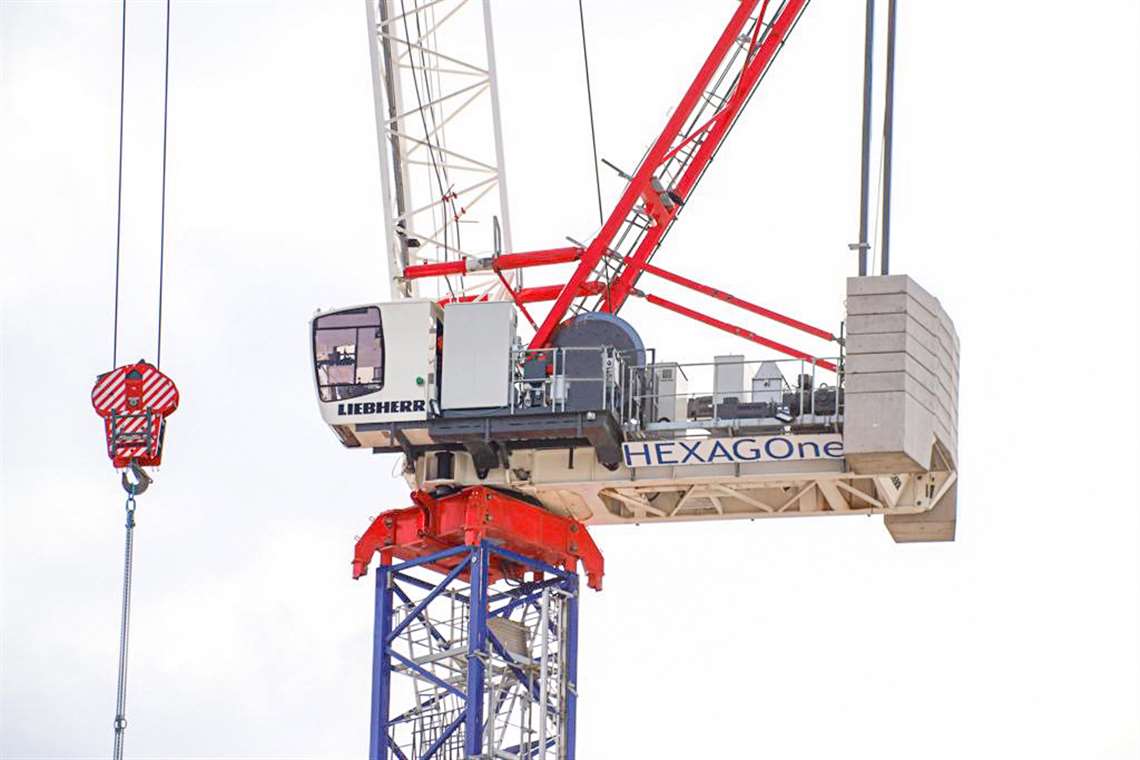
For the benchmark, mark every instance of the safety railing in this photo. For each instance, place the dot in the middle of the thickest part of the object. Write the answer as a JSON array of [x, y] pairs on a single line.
[[676, 396], [662, 396], [564, 379]]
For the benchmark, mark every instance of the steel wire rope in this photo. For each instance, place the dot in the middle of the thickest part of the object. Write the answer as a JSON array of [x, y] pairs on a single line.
[[590, 108], [436, 125], [162, 210], [119, 201], [878, 208], [120, 723], [423, 119], [682, 158], [124, 630], [748, 99]]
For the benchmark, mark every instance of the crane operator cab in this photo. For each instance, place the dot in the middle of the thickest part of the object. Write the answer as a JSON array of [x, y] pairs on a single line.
[[375, 364]]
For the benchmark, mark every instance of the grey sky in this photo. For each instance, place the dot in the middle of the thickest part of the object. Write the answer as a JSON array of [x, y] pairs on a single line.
[[1016, 204]]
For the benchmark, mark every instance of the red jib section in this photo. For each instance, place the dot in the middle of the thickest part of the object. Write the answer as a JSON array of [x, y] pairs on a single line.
[[134, 401], [470, 516]]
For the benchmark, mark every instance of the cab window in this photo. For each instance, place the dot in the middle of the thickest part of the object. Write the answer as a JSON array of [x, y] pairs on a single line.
[[348, 352]]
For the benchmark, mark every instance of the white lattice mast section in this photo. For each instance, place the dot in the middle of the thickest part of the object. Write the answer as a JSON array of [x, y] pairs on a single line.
[[440, 138]]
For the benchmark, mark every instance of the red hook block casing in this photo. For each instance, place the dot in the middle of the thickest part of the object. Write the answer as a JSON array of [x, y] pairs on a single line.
[[134, 401]]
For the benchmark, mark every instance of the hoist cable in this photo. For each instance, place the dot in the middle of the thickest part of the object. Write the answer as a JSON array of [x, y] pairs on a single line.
[[120, 724], [124, 632], [439, 178], [590, 105], [162, 212], [874, 252], [119, 211]]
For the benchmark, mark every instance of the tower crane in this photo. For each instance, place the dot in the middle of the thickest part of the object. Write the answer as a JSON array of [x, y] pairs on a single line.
[[516, 441]]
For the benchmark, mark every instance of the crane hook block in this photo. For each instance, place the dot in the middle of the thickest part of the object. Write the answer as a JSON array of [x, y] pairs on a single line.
[[134, 401]]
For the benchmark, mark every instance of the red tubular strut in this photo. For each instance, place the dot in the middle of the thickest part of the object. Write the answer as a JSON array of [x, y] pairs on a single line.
[[738, 331], [642, 178], [515, 297], [662, 205], [501, 264], [439, 269], [538, 258], [778, 30], [729, 298], [535, 294], [467, 518]]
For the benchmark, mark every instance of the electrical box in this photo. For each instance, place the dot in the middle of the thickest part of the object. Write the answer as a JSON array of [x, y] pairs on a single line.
[[728, 377], [477, 343], [671, 394], [768, 384]]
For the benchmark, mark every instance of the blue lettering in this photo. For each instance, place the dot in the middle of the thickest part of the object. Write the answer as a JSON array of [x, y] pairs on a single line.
[[661, 454], [803, 447], [630, 453], [340, 409], [787, 453], [691, 452], [356, 408], [838, 453], [754, 451], [718, 449]]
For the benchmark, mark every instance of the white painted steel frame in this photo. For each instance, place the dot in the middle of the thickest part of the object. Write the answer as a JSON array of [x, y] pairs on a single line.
[[585, 490], [423, 41]]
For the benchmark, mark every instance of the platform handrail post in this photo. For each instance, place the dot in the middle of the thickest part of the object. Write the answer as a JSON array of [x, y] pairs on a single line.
[[476, 644], [381, 665], [571, 669]]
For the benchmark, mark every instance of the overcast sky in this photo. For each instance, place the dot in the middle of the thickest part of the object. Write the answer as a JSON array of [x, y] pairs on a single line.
[[1017, 193]]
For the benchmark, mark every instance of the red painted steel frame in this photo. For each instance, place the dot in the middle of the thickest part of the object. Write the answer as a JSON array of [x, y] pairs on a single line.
[[499, 264], [134, 401], [641, 184], [470, 516], [642, 179], [738, 331], [778, 30], [535, 294], [731, 299]]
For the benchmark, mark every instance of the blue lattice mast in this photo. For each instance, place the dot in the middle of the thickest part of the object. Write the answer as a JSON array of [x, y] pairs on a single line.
[[475, 645]]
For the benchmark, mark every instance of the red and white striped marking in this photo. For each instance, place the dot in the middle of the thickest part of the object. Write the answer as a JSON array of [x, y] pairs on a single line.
[[135, 389]]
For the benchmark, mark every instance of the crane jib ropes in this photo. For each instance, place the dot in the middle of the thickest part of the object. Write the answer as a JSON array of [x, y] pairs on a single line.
[[134, 399]]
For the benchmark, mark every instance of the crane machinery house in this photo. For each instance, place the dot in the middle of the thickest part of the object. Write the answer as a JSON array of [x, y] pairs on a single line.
[[596, 428]]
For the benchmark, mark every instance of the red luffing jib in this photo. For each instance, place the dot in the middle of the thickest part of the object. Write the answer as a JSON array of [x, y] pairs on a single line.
[[134, 401]]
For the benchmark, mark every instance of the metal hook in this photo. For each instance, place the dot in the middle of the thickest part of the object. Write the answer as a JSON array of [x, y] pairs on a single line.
[[141, 481]]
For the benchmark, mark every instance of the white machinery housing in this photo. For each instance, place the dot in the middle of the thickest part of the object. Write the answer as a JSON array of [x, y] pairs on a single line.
[[595, 428]]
